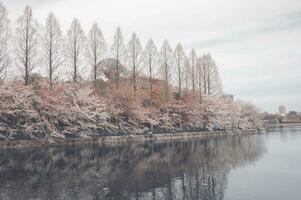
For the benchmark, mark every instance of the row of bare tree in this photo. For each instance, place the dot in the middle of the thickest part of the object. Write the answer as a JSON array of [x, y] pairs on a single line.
[[75, 52]]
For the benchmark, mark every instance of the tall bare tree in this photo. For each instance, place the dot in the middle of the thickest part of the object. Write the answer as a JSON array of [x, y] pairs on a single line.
[[4, 36], [52, 48], [215, 86], [96, 50], [199, 76], [187, 74], [166, 56], [179, 60], [193, 62], [151, 58], [26, 43], [75, 46], [135, 55], [211, 81], [118, 52]]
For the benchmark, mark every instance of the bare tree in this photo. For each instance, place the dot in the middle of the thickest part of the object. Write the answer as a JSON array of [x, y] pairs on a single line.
[[193, 62], [96, 50], [212, 84], [205, 70], [150, 57], [166, 56], [216, 85], [26, 43], [187, 74], [118, 52], [52, 47], [199, 76], [179, 59], [75, 47], [4, 36], [135, 55]]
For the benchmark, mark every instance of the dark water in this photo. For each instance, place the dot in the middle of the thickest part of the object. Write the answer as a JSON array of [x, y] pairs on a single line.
[[253, 167]]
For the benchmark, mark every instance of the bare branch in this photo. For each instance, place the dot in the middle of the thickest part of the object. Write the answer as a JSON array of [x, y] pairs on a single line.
[[134, 57], [193, 62], [118, 52], [151, 60], [165, 65], [26, 44], [4, 37], [75, 46], [52, 48], [179, 59], [96, 50]]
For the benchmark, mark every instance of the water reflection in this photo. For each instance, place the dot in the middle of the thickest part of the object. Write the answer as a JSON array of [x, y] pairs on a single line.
[[283, 134], [195, 169]]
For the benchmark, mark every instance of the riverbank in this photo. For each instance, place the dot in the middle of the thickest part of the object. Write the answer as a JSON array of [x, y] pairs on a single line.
[[122, 139], [70, 112]]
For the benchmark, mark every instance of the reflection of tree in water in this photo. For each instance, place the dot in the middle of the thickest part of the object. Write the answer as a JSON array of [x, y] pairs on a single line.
[[171, 170], [283, 134]]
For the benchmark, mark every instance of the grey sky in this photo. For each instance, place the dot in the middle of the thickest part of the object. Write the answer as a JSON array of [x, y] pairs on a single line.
[[256, 44]]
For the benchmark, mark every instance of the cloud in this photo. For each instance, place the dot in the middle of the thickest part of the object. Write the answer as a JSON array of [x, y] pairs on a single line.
[[33, 2], [287, 22]]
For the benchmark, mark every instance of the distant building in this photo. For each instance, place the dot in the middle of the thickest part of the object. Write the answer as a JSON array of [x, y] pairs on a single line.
[[228, 97], [282, 110], [292, 113]]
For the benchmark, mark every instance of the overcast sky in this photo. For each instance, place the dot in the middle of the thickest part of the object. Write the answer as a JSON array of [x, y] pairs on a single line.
[[256, 44]]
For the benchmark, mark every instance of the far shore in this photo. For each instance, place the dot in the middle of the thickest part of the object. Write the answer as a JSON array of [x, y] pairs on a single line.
[[122, 139], [285, 124], [289, 123]]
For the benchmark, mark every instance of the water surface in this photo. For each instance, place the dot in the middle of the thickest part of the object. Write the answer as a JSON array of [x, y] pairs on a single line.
[[251, 167]]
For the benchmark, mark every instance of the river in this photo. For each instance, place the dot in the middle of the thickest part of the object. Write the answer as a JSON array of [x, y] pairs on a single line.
[[250, 167]]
